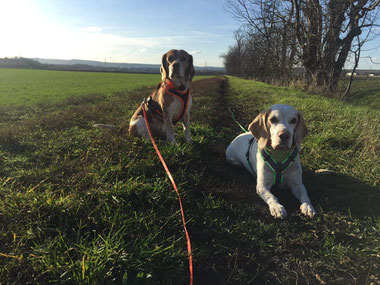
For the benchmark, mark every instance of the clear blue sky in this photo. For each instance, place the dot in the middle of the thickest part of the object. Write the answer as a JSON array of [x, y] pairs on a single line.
[[133, 31]]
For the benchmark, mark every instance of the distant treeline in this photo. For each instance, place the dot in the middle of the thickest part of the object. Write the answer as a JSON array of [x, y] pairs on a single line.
[[21, 62]]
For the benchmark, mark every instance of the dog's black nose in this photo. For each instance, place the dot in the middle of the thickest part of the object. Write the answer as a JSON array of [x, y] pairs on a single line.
[[284, 136], [176, 65]]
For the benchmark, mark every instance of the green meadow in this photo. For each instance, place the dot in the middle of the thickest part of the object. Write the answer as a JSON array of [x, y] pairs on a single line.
[[80, 205], [27, 93], [364, 92], [22, 87]]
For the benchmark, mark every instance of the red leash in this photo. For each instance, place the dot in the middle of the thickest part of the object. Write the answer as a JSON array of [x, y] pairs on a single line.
[[179, 197]]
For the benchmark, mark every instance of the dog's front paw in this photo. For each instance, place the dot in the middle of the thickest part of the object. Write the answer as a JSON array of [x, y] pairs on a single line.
[[277, 211], [307, 210]]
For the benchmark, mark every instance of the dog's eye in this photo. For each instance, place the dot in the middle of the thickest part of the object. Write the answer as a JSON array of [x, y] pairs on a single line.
[[182, 58], [293, 121], [171, 58], [273, 120]]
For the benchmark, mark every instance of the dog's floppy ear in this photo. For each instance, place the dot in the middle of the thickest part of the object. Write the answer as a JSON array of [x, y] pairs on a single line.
[[190, 69], [164, 68], [259, 128], [300, 132]]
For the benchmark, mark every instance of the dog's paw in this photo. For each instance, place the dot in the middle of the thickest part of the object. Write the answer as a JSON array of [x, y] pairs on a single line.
[[307, 210], [277, 211]]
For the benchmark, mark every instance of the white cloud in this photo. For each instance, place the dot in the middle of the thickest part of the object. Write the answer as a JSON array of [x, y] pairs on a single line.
[[26, 32], [48, 40], [205, 34], [93, 29]]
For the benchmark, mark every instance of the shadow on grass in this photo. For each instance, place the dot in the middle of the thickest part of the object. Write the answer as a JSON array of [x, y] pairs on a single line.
[[344, 194]]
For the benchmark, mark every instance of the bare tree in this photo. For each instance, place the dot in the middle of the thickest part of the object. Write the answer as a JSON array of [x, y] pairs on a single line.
[[317, 33], [356, 50], [325, 31], [270, 41], [233, 59], [356, 60]]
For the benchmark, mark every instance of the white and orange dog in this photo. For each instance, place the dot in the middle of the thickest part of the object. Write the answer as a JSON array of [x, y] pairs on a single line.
[[271, 152]]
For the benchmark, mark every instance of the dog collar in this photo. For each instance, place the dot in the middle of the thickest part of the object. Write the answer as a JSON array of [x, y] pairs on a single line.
[[278, 155], [170, 85], [278, 161]]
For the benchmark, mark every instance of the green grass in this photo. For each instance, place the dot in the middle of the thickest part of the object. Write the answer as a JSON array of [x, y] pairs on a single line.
[[26, 93], [27, 88], [364, 92], [80, 205]]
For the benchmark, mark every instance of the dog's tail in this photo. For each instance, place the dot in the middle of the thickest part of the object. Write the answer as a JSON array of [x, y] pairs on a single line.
[[105, 126], [113, 128]]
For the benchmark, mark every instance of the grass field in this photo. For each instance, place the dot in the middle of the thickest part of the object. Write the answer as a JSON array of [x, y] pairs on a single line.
[[27, 88], [25, 93], [365, 92], [81, 206]]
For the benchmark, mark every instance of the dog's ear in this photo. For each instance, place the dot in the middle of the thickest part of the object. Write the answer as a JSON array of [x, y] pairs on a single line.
[[300, 132], [190, 69], [259, 128], [164, 68]]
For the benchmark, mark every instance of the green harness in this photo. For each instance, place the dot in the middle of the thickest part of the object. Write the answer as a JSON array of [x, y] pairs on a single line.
[[278, 161]]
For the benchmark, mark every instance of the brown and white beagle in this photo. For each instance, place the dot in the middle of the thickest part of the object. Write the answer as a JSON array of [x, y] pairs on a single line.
[[170, 102]]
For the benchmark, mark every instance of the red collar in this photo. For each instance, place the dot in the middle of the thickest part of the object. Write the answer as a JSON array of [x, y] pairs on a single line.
[[170, 84]]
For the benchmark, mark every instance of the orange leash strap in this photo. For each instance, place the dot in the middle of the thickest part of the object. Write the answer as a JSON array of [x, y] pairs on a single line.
[[179, 197]]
